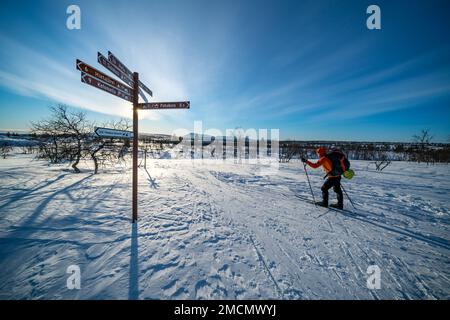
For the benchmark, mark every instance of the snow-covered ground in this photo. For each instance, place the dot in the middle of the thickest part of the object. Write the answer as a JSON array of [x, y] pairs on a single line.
[[213, 230]]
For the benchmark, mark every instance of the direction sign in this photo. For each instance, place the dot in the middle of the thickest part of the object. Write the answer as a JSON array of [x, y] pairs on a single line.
[[144, 87], [165, 105], [119, 65], [105, 87], [101, 76], [108, 65], [113, 133], [143, 95]]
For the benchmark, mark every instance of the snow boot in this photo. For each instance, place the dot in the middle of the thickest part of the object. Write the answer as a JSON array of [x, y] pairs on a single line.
[[322, 204], [339, 206]]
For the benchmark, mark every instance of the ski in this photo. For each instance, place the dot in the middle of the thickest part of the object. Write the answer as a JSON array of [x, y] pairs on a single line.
[[330, 208]]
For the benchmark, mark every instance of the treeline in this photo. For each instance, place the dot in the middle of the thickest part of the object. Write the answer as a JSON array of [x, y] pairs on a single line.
[[377, 151], [12, 134], [422, 151], [68, 136]]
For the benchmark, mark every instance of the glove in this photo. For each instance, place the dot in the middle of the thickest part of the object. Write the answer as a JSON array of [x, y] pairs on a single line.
[[304, 160]]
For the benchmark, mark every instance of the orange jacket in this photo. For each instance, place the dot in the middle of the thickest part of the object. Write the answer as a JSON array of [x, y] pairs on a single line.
[[325, 163]]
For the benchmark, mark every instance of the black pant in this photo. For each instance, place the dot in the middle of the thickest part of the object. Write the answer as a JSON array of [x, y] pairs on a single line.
[[336, 184]]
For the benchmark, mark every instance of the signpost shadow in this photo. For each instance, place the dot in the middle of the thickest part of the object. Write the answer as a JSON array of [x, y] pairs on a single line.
[[133, 286]]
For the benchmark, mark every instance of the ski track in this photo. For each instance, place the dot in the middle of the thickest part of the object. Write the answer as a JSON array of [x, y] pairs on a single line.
[[221, 231]]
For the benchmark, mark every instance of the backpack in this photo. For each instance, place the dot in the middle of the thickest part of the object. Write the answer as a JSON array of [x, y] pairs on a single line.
[[339, 162]]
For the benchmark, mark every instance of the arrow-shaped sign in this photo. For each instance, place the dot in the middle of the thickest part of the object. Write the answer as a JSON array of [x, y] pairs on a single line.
[[113, 133], [165, 105], [108, 65], [144, 87], [119, 65], [105, 87], [143, 95], [103, 77]]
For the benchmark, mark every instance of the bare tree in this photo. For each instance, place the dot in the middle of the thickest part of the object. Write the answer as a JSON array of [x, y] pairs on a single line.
[[423, 140], [48, 137], [76, 126], [288, 150], [96, 144], [106, 149], [66, 130], [5, 149]]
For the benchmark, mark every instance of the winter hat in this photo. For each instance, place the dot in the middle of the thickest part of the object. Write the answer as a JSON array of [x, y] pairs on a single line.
[[321, 151]]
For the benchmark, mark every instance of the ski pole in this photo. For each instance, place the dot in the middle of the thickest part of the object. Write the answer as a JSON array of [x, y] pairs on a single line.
[[348, 196], [307, 177]]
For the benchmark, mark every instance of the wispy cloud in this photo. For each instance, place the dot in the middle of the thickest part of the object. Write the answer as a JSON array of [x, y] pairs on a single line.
[[301, 92], [328, 91], [32, 73], [394, 88]]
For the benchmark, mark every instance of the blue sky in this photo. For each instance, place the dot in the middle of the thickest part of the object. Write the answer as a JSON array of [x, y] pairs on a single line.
[[310, 68]]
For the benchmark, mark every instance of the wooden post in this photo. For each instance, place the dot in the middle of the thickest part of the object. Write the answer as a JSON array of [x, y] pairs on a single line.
[[145, 158], [135, 145]]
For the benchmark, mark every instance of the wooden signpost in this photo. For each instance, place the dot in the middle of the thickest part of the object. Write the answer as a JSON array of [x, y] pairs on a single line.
[[129, 92]]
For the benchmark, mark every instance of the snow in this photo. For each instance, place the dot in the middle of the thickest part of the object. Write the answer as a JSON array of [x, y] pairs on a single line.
[[214, 230]]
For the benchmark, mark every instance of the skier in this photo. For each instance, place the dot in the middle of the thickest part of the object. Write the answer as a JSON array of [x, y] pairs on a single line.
[[333, 181]]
